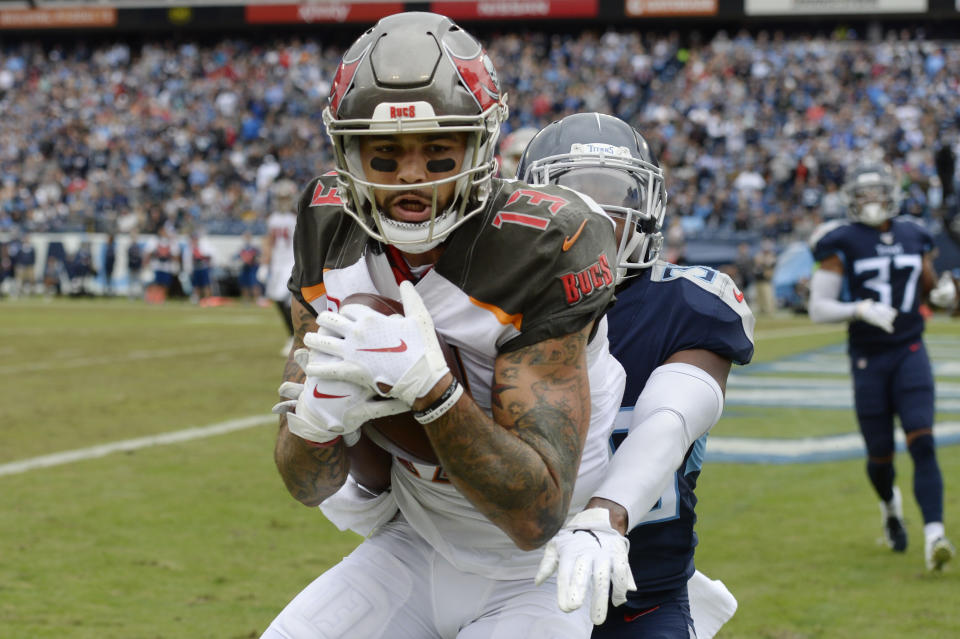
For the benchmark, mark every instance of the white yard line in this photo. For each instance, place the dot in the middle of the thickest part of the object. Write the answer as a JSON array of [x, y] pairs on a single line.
[[129, 356], [808, 449], [80, 454]]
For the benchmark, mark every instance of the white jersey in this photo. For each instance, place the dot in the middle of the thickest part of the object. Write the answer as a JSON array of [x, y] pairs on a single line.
[[164, 255], [280, 227], [432, 505]]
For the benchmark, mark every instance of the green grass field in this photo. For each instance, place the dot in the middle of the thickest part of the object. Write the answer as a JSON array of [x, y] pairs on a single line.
[[199, 539]]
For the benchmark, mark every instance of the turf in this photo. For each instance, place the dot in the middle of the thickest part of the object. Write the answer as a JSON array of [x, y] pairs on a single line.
[[199, 538]]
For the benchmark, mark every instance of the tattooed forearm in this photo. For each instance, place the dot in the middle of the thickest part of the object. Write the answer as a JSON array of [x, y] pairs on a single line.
[[520, 469], [310, 474]]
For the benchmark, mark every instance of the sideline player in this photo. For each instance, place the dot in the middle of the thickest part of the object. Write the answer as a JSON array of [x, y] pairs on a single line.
[[277, 256], [676, 330], [516, 278], [201, 265], [886, 265]]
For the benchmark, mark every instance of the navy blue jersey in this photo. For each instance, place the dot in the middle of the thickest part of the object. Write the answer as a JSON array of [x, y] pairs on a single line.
[[134, 257], [666, 309], [27, 255], [880, 265]]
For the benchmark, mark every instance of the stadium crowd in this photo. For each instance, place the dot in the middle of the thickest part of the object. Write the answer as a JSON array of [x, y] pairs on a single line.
[[754, 131]]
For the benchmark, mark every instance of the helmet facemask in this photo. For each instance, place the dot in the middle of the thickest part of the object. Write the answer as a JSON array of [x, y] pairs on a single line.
[[472, 182], [629, 189], [872, 196]]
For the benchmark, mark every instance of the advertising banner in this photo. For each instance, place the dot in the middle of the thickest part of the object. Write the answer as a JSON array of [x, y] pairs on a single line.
[[506, 9], [67, 17], [670, 8], [312, 12], [817, 7]]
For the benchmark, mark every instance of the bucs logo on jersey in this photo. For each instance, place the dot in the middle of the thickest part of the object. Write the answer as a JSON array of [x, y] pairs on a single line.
[[597, 276]]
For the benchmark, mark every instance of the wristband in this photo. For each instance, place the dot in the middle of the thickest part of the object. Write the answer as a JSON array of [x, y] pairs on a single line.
[[444, 403]]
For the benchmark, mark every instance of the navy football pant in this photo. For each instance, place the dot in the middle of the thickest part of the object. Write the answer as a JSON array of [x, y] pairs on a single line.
[[669, 620], [899, 382]]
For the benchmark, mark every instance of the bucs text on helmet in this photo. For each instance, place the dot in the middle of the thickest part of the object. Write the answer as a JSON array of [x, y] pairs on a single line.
[[415, 72], [607, 159], [872, 194]]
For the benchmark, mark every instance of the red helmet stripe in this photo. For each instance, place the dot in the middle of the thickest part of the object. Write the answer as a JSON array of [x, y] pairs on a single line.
[[342, 82], [474, 75]]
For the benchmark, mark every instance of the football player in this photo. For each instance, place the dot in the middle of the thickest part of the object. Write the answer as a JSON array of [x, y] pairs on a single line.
[[515, 278], [511, 150], [875, 271], [676, 330], [277, 251], [201, 261]]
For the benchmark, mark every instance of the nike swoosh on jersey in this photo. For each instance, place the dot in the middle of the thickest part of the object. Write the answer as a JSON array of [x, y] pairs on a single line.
[[399, 348], [319, 395], [571, 239], [628, 617]]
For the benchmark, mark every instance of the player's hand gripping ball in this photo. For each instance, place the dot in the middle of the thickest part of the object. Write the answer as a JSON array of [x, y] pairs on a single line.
[[400, 433]]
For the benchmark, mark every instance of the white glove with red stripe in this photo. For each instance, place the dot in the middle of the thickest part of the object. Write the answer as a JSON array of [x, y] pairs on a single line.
[[369, 348], [321, 410]]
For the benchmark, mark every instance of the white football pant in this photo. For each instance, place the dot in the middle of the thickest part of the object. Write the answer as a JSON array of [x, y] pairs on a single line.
[[711, 604], [394, 585]]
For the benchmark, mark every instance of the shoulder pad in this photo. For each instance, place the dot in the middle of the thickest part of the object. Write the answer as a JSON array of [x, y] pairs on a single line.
[[821, 231], [712, 281]]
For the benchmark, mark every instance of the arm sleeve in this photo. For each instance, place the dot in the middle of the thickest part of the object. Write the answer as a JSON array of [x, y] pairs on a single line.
[[679, 404], [824, 306]]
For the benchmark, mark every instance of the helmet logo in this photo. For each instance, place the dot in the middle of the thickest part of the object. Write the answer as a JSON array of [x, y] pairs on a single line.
[[599, 148], [403, 111], [389, 112], [480, 78], [344, 79]]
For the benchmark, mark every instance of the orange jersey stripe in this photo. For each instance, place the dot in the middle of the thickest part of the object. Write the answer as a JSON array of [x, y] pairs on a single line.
[[502, 316], [311, 293]]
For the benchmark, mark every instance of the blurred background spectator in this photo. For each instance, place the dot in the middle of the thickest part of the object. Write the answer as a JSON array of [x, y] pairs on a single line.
[[755, 130]]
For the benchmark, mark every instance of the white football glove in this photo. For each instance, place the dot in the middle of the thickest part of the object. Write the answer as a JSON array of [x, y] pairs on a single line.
[[400, 351], [321, 410], [877, 313], [944, 294], [589, 552]]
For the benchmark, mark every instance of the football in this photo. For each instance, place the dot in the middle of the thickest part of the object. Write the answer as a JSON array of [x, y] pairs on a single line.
[[399, 434]]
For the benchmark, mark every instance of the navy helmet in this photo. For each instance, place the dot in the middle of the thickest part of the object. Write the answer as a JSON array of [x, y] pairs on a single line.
[[608, 160]]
